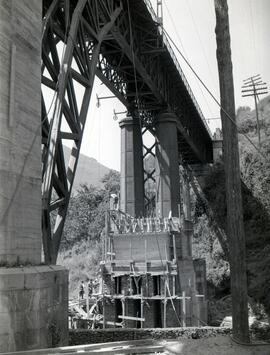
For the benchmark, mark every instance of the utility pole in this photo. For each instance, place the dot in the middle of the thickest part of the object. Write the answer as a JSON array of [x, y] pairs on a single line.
[[235, 225], [254, 86]]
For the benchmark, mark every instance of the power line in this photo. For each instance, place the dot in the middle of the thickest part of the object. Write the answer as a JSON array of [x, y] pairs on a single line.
[[253, 34], [213, 97], [204, 54], [175, 28], [200, 40], [184, 51]]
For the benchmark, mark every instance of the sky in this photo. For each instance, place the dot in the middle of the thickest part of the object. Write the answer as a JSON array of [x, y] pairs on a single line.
[[191, 24]]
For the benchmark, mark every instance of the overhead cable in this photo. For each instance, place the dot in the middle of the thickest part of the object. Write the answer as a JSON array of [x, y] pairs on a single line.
[[212, 95]]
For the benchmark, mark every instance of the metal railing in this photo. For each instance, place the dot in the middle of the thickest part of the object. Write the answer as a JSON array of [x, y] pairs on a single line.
[[124, 224]]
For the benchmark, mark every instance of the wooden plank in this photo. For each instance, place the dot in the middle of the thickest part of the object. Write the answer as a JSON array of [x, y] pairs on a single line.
[[123, 309], [142, 309], [132, 318], [184, 309], [165, 313]]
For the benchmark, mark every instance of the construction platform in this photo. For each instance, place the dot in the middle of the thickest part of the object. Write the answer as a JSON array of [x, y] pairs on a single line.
[[148, 276]]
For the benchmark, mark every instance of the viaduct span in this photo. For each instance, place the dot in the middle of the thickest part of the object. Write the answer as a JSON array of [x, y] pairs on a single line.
[[123, 44], [120, 41]]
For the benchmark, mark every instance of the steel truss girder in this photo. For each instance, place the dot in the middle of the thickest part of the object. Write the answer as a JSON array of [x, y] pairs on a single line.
[[149, 173], [141, 43], [64, 22], [132, 60]]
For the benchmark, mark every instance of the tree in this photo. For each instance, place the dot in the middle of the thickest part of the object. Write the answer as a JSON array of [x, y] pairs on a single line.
[[85, 219], [111, 182]]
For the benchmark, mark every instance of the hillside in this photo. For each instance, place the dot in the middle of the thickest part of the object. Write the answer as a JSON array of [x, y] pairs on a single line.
[[89, 171], [255, 167]]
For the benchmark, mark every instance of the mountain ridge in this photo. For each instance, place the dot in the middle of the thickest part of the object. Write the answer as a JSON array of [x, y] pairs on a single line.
[[89, 170]]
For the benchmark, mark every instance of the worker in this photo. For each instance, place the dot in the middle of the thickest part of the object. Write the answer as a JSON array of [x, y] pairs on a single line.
[[114, 202], [90, 287], [81, 292]]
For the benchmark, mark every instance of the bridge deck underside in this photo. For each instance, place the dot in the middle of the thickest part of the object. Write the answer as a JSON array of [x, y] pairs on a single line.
[[138, 65]]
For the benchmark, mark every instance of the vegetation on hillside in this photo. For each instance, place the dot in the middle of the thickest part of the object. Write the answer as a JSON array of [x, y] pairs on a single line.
[[81, 247], [255, 167]]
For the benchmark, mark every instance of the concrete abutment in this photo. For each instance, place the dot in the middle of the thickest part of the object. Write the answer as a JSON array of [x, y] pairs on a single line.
[[33, 299], [33, 307]]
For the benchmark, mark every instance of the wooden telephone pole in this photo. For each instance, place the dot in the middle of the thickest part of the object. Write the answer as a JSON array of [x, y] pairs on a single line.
[[254, 86], [235, 225]]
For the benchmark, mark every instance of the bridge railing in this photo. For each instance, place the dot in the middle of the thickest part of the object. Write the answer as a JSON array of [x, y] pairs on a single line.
[[122, 223], [175, 60]]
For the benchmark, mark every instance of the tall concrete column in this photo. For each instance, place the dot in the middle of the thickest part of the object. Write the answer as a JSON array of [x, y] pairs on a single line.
[[20, 132], [132, 184], [33, 298], [167, 167]]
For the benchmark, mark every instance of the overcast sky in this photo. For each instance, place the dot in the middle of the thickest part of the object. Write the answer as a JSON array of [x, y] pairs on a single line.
[[191, 23]]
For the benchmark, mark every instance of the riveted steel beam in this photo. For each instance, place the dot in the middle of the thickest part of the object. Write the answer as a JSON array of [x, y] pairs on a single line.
[[65, 24], [121, 43]]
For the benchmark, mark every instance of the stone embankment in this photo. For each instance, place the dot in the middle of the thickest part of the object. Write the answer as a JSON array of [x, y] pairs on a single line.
[[88, 336]]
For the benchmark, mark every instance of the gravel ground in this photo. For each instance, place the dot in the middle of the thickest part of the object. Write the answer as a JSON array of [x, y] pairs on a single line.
[[219, 345], [215, 345]]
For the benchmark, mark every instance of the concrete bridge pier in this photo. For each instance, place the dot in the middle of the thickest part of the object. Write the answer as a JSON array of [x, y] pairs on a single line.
[[131, 183], [33, 297], [168, 199], [167, 170]]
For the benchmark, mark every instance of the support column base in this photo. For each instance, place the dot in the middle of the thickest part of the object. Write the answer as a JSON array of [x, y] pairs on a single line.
[[188, 284], [33, 307]]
